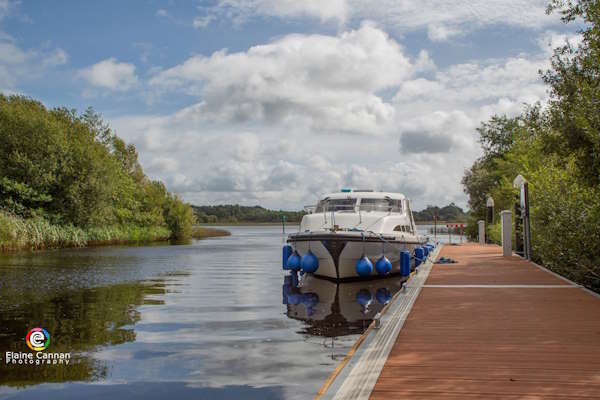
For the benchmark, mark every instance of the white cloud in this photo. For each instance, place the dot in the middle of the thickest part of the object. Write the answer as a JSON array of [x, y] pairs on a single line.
[[57, 57], [424, 63], [110, 74], [161, 12], [261, 168], [551, 40], [18, 65], [203, 21], [241, 10], [270, 125], [327, 83], [444, 19], [441, 19], [12, 59], [441, 33], [435, 132]]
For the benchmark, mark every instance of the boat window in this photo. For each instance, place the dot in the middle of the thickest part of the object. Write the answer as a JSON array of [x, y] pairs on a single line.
[[396, 205], [367, 204], [374, 204], [329, 205]]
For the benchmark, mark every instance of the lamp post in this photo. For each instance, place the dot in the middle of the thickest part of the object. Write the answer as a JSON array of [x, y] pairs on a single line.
[[521, 183], [489, 205], [489, 218]]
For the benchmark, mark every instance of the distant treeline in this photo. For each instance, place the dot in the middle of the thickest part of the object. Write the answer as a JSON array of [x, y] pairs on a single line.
[[234, 213], [66, 179], [449, 213]]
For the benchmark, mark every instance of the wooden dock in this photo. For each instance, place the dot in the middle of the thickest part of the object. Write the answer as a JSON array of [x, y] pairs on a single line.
[[487, 327]]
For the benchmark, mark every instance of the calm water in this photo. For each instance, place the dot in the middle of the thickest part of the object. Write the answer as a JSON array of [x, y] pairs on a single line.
[[216, 319]]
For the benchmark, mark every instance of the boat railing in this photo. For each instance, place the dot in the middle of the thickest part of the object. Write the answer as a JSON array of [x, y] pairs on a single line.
[[353, 208], [310, 209]]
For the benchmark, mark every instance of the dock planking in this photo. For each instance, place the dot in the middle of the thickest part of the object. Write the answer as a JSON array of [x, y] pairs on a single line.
[[493, 327]]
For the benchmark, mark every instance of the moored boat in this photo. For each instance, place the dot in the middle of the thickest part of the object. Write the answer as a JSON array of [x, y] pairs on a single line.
[[356, 235]]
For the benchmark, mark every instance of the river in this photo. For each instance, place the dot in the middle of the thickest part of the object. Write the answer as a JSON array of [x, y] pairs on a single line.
[[214, 319]]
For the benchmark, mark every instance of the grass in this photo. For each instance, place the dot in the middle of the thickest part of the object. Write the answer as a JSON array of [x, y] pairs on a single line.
[[17, 233], [201, 232]]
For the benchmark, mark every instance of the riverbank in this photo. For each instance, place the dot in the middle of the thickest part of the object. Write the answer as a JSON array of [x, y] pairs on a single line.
[[202, 232], [18, 234]]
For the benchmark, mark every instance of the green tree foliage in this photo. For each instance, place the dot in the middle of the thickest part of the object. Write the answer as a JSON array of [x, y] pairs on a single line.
[[180, 217], [565, 215], [449, 213], [235, 213], [497, 138], [575, 91], [557, 149], [72, 170]]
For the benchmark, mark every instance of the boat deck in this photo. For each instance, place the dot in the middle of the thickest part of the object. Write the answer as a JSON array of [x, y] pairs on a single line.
[[493, 327]]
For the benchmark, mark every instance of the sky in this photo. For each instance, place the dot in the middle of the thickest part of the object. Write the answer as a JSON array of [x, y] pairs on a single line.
[[275, 102]]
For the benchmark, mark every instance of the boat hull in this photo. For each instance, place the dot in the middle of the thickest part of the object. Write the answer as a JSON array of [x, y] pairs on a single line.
[[338, 254]]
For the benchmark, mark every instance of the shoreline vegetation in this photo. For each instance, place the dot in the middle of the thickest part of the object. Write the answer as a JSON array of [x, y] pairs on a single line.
[[17, 234], [67, 180], [235, 214], [203, 232], [556, 148]]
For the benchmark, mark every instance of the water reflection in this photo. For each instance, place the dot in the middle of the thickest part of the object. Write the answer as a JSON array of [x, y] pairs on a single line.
[[203, 320], [332, 309], [79, 321]]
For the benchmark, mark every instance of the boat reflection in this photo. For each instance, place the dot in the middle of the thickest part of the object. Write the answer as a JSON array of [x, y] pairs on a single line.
[[332, 309]]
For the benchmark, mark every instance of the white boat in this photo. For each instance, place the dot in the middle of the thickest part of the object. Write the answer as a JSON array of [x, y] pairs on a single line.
[[347, 227]]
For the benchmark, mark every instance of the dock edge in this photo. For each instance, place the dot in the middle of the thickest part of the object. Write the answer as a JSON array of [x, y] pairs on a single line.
[[356, 375]]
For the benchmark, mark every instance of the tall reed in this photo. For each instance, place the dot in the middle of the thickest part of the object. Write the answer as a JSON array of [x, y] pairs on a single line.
[[17, 233]]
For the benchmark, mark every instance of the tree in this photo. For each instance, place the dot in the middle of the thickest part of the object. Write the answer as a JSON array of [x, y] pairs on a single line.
[[574, 80], [498, 135], [179, 217], [72, 169]]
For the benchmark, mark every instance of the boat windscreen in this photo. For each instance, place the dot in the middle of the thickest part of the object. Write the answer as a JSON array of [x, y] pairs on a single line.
[[328, 205], [367, 204]]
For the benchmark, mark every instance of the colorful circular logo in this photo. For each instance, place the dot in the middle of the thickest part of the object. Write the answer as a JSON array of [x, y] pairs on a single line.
[[38, 339]]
